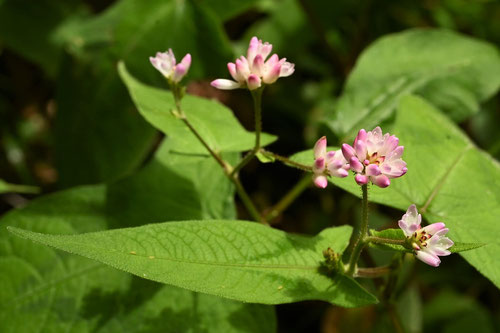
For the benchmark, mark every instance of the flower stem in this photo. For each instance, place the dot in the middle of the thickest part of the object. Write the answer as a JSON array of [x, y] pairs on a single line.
[[378, 240], [227, 168], [257, 107], [252, 210], [287, 200], [216, 156], [360, 240], [373, 272], [286, 160]]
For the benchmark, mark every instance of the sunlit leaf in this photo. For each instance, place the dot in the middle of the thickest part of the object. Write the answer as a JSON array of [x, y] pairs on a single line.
[[239, 260], [454, 72], [449, 179], [214, 122]]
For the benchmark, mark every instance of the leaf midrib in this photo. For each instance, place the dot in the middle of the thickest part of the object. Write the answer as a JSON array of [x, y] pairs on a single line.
[[424, 77], [213, 263], [186, 261], [443, 179], [49, 285]]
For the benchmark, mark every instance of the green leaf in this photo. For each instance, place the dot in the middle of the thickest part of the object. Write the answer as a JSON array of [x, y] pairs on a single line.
[[233, 259], [460, 247], [450, 311], [265, 158], [46, 290], [409, 305], [98, 135], [399, 234], [453, 71], [151, 27], [214, 122], [34, 36], [42, 289], [389, 234], [173, 309], [172, 186], [448, 178]]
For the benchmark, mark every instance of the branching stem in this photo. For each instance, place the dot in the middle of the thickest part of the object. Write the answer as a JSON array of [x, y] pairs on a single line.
[[227, 168]]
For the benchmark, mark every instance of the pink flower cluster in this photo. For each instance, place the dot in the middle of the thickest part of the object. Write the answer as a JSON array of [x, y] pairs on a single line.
[[327, 163], [166, 64], [251, 72], [428, 242], [375, 157]]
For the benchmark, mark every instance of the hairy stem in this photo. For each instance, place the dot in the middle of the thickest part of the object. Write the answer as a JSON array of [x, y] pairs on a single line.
[[252, 210], [360, 239], [216, 156], [286, 160], [373, 272], [227, 168], [287, 200], [378, 240]]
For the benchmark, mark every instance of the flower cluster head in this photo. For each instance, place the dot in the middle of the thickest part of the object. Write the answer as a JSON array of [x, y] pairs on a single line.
[[251, 72], [375, 157], [166, 64], [428, 242], [326, 163]]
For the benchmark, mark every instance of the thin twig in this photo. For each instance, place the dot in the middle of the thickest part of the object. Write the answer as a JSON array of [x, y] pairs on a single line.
[[359, 242], [378, 240], [287, 200], [227, 168], [286, 160], [257, 106], [373, 272]]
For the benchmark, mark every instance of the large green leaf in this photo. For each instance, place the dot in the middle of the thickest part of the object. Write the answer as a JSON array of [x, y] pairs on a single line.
[[172, 186], [43, 289], [234, 259], [98, 134], [213, 121], [134, 30], [173, 309], [34, 35], [448, 178], [99, 137], [455, 72]]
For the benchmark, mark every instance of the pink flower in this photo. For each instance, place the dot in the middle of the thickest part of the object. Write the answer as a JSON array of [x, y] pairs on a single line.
[[375, 157], [428, 242], [251, 72], [166, 64], [326, 163]]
